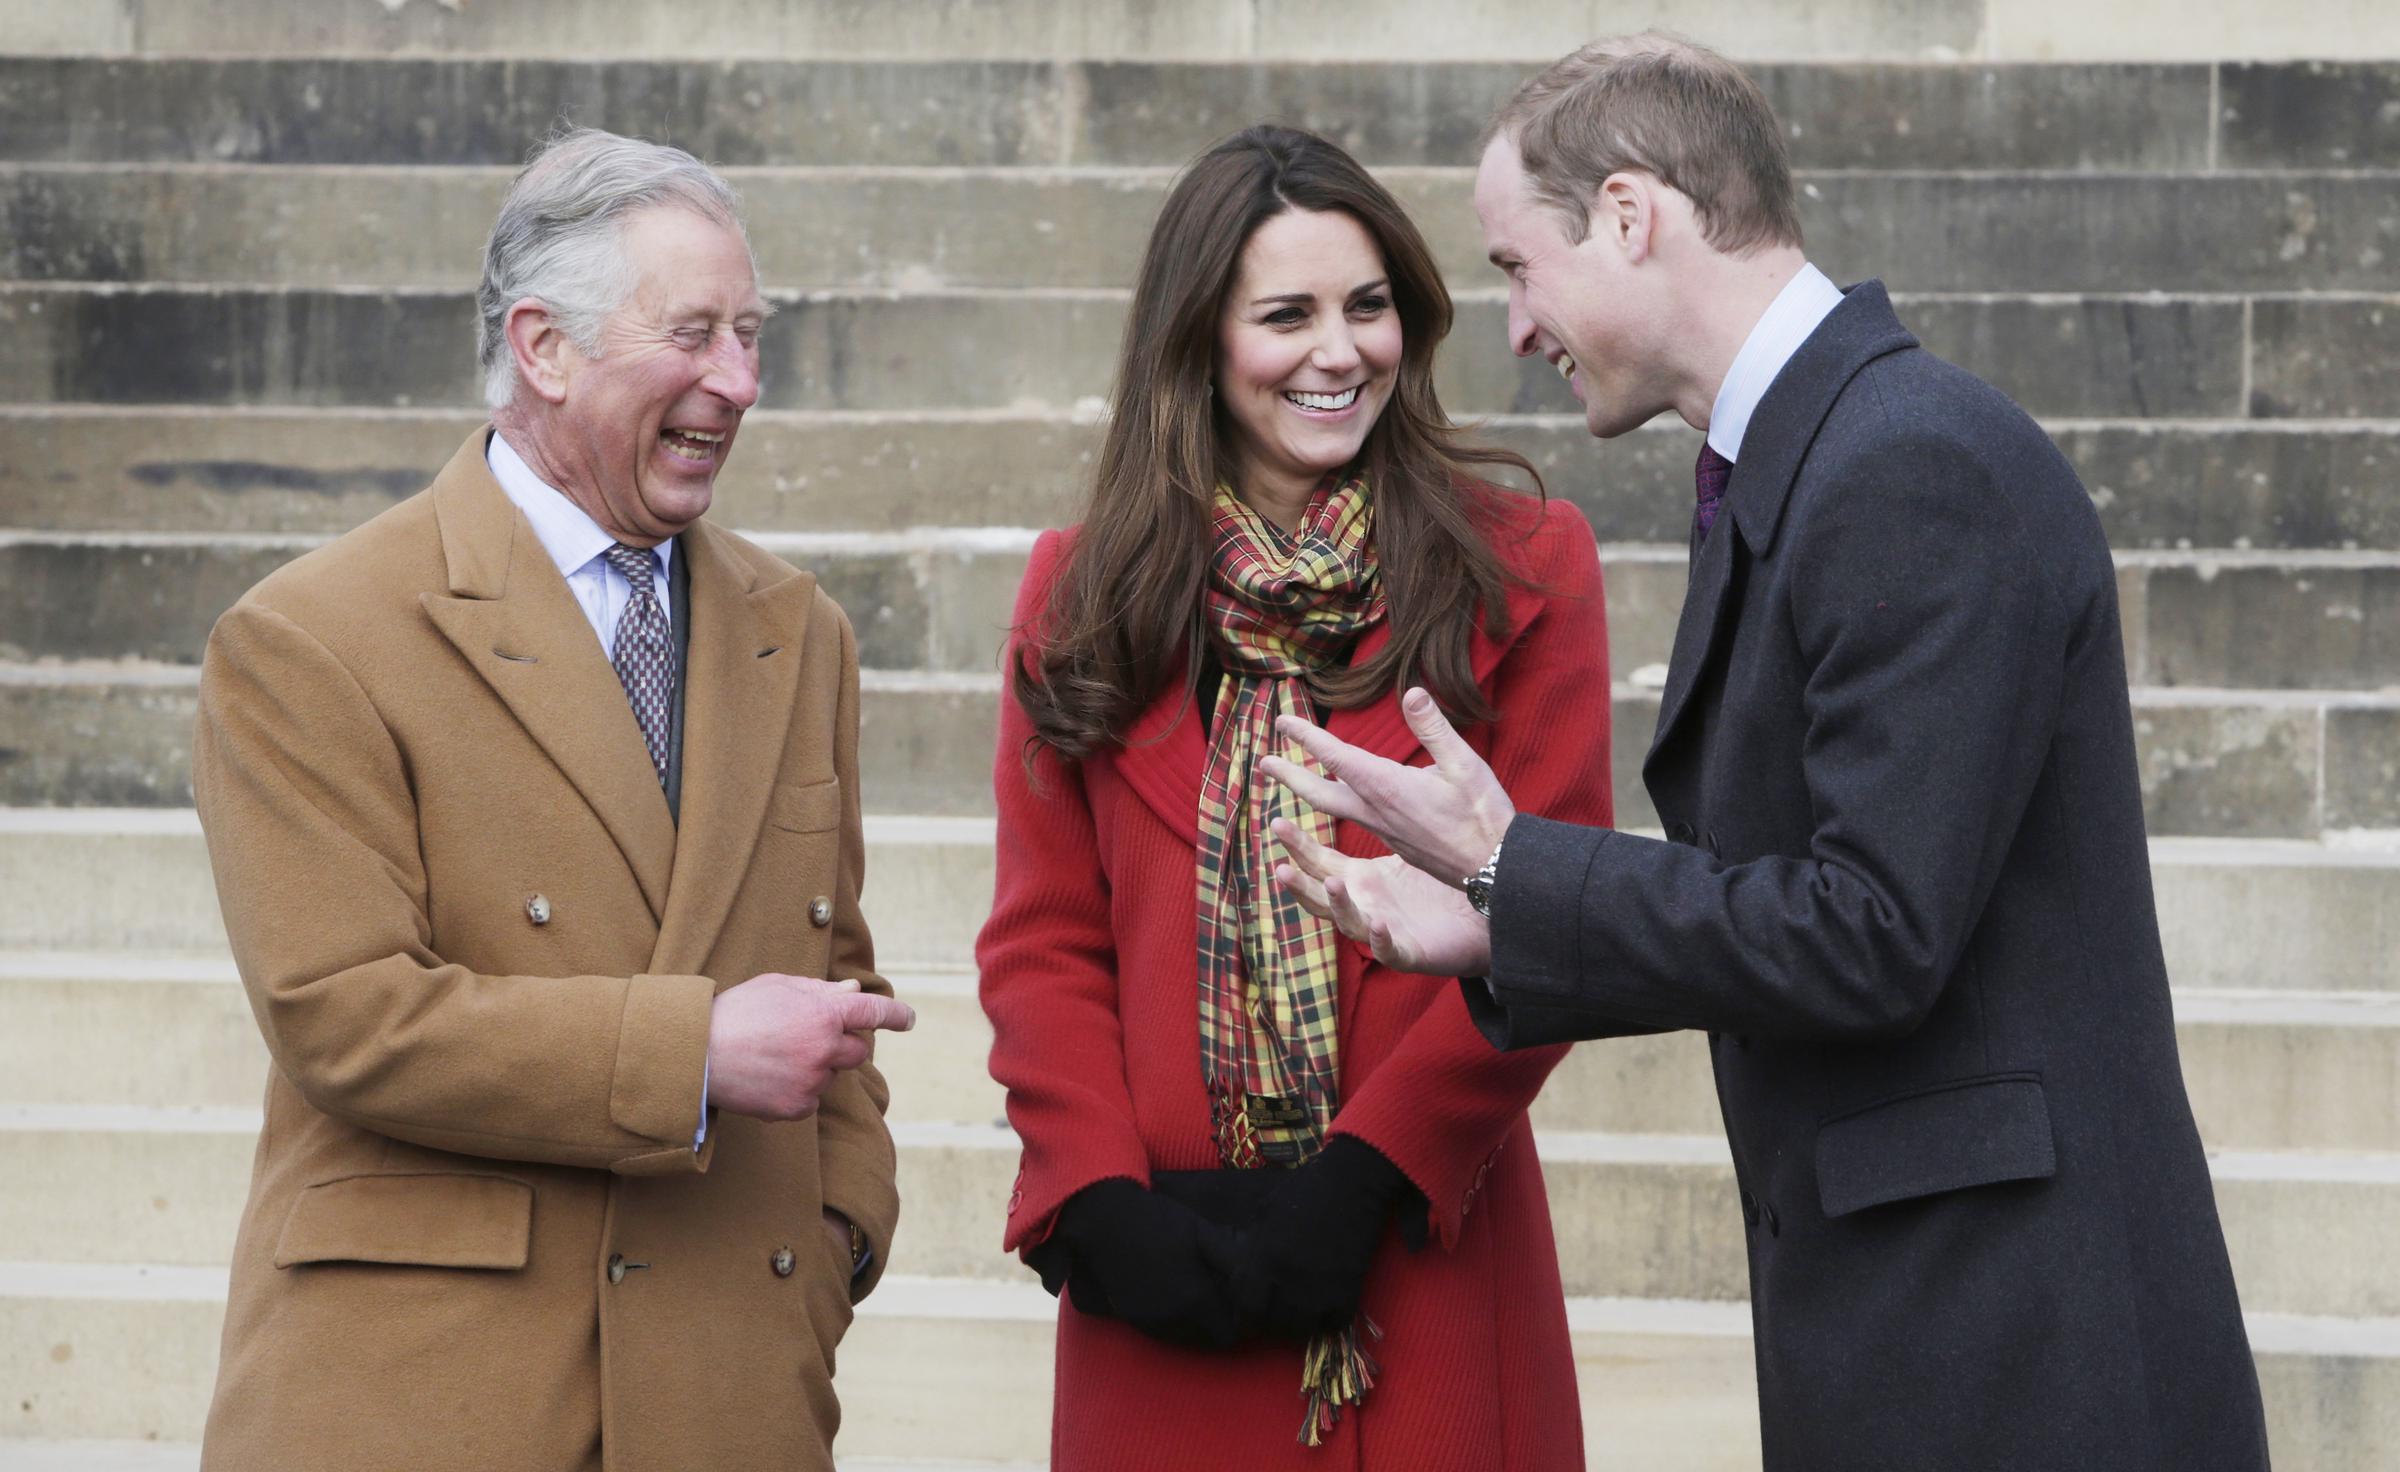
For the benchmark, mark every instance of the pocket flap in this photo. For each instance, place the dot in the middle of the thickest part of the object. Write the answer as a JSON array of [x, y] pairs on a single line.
[[444, 1219], [1970, 1133], [806, 807]]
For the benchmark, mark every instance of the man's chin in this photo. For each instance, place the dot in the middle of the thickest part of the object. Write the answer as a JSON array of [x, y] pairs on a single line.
[[671, 508]]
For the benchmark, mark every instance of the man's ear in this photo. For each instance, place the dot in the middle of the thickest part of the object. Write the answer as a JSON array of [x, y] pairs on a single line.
[[543, 353], [1626, 213]]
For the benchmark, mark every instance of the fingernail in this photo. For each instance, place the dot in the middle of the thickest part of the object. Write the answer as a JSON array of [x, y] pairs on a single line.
[[1417, 700]]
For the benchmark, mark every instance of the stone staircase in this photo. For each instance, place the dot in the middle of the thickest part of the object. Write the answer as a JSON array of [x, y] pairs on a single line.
[[237, 244]]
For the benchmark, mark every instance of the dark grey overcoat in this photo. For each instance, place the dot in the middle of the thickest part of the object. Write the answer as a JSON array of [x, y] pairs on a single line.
[[1906, 891]]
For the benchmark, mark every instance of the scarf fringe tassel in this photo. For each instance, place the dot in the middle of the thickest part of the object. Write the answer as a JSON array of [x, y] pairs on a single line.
[[1337, 1372]]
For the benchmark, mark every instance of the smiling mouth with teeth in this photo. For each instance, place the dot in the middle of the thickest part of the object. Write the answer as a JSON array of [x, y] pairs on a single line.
[[696, 445], [1342, 400], [1566, 367]]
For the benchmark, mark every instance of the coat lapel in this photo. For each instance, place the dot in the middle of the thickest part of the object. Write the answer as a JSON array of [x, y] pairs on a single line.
[[1858, 331], [512, 618], [749, 634], [1704, 609]]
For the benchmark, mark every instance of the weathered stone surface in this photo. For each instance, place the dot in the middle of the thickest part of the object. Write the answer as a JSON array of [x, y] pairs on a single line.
[[234, 347], [321, 109], [2311, 115], [424, 228], [2041, 30], [2362, 767], [2325, 358], [66, 27], [2020, 117], [2231, 770], [328, 227], [2098, 357], [2049, 233], [2308, 626], [96, 745], [632, 28], [1023, 351], [2157, 485], [100, 601], [2280, 917], [302, 471], [2167, 486]]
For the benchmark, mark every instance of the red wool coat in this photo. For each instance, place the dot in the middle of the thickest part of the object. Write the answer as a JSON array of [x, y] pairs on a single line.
[[1090, 976]]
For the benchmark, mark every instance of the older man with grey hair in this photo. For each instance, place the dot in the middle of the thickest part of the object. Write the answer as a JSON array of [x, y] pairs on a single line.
[[533, 805]]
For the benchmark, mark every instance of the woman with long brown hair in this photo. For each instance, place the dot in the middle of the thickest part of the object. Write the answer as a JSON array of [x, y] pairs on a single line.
[[1298, 1220]]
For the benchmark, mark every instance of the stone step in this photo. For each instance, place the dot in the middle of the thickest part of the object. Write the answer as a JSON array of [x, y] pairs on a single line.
[[2148, 356], [2267, 1070], [947, 1369], [940, 599], [1847, 30], [2214, 763], [1642, 1216], [1386, 107], [853, 228], [2233, 914], [2158, 485]]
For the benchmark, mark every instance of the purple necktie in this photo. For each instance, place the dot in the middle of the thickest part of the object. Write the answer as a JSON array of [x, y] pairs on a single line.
[[1709, 478], [645, 657]]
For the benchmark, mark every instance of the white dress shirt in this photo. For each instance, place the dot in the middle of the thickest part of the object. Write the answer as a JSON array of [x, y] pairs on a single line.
[[1804, 302], [576, 543]]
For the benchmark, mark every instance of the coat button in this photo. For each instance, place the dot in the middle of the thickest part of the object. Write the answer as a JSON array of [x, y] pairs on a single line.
[[1681, 832], [782, 1262], [537, 909], [1749, 1208], [616, 1267], [820, 912]]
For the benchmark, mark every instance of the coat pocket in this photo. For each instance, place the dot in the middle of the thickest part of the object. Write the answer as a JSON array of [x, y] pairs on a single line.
[[806, 807], [441, 1219], [1970, 1132]]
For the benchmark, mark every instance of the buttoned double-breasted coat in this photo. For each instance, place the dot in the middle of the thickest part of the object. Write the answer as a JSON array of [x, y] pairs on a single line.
[[483, 954], [1090, 976]]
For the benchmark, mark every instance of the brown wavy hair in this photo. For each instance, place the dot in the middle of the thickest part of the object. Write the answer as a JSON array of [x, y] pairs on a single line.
[[1127, 603]]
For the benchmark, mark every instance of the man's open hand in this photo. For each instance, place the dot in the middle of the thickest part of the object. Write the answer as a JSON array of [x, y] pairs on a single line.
[[1409, 919], [1445, 819], [775, 1042]]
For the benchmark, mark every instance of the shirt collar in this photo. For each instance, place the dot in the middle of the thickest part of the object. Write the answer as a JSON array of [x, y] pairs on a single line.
[[1804, 302], [565, 530]]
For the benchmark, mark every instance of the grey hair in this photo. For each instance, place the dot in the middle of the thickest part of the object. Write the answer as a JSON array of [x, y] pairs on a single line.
[[557, 237]]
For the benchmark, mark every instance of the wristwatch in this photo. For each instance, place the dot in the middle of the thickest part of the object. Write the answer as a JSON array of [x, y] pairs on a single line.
[[1479, 884]]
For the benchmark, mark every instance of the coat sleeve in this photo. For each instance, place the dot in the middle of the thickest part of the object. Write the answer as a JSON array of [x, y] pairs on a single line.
[[1048, 963], [856, 1161], [312, 834], [1440, 1105], [1931, 648]]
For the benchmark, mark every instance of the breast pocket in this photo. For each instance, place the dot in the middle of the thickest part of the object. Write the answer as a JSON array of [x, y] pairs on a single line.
[[806, 807], [1969, 1132]]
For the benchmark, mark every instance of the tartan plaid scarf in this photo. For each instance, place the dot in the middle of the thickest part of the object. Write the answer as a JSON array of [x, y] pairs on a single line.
[[1278, 606]]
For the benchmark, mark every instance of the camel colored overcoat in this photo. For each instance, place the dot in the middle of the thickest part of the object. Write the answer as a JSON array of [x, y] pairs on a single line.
[[478, 1234]]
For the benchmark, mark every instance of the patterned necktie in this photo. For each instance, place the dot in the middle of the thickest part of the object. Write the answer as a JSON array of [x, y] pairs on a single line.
[[645, 656], [1709, 478]]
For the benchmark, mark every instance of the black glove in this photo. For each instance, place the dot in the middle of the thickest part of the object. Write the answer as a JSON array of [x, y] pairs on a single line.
[[1143, 1258], [1316, 1235]]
